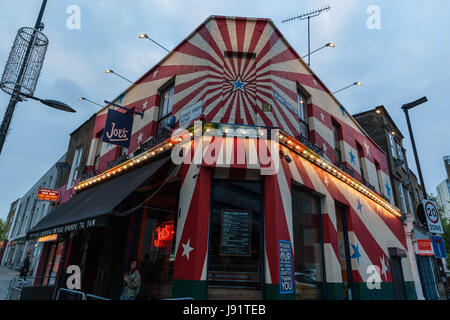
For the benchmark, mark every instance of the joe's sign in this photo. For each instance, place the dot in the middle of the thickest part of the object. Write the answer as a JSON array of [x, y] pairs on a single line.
[[118, 128], [48, 194]]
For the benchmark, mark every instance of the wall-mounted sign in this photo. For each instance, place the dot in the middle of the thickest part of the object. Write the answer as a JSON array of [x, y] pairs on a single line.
[[51, 237], [236, 233], [48, 195], [423, 247], [118, 128], [283, 101], [190, 113], [286, 267], [432, 215], [163, 235], [438, 247]]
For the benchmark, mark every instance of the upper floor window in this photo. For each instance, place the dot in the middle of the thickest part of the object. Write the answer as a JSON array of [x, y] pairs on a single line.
[[337, 145], [360, 151], [75, 170], [392, 144], [379, 178], [98, 150], [165, 109], [302, 107], [400, 154], [401, 195]]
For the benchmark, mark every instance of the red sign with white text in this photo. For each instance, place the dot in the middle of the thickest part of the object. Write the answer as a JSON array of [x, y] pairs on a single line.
[[424, 248], [48, 194]]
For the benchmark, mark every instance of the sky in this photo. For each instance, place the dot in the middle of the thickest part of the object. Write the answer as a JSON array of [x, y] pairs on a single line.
[[400, 55]]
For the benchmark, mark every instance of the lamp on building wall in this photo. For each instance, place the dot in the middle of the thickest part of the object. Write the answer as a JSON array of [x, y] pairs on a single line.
[[108, 71], [357, 83], [329, 44], [145, 36]]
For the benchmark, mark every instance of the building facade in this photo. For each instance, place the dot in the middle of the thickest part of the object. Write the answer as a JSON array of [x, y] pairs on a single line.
[[443, 190], [29, 211], [278, 194], [406, 193], [9, 221]]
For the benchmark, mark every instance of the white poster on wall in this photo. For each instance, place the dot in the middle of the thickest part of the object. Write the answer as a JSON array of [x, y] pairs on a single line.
[[190, 113]]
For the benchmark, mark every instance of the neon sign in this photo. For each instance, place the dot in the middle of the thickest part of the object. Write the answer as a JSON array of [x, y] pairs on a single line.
[[163, 235]]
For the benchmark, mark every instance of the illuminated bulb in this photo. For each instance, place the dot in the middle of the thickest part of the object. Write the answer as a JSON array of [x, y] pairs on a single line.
[[170, 144], [161, 149], [153, 153]]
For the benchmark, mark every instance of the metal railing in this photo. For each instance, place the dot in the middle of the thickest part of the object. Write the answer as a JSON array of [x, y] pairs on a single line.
[[16, 285], [68, 294]]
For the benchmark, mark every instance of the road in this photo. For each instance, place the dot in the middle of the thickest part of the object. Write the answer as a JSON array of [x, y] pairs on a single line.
[[6, 275]]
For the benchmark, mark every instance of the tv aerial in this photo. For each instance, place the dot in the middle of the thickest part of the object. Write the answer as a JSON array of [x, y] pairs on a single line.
[[308, 15]]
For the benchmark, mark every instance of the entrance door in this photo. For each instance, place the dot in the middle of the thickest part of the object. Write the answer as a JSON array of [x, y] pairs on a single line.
[[344, 250], [236, 234], [397, 277]]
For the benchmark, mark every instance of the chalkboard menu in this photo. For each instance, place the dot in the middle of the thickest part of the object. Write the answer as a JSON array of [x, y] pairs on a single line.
[[235, 236]]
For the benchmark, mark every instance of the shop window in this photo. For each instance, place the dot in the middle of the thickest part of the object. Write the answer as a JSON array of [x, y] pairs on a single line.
[[308, 245], [158, 247], [165, 109], [236, 234]]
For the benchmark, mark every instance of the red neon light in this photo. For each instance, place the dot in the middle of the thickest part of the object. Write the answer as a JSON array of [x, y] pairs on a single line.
[[163, 235]]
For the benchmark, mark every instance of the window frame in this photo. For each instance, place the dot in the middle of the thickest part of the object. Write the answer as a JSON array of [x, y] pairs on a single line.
[[164, 114], [337, 134], [74, 170], [302, 109]]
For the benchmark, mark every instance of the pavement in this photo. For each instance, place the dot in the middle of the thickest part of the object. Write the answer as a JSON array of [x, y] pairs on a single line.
[[6, 275]]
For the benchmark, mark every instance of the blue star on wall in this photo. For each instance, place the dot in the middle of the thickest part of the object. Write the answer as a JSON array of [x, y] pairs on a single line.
[[360, 206], [356, 253], [352, 156], [342, 110], [388, 190], [238, 84]]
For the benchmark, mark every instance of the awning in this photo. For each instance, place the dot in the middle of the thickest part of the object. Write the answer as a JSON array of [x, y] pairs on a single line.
[[91, 207]]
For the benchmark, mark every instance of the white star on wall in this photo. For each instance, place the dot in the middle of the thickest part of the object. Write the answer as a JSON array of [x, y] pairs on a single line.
[[139, 139], [325, 148], [383, 267], [326, 181], [367, 147], [187, 249], [155, 73], [144, 105], [322, 116]]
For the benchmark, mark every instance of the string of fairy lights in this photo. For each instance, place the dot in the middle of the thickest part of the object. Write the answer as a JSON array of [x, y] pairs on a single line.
[[210, 129]]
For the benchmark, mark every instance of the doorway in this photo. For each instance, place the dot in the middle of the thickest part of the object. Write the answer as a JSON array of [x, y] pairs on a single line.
[[235, 268], [344, 250], [397, 278]]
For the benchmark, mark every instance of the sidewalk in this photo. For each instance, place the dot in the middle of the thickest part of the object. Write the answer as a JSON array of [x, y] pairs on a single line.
[[6, 275]]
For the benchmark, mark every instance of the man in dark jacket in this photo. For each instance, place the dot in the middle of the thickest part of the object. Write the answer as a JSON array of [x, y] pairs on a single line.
[[26, 265]]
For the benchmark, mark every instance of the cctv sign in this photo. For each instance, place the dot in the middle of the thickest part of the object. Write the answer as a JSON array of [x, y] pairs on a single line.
[[432, 215]]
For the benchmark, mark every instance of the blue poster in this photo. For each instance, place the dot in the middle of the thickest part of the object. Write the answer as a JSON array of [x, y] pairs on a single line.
[[438, 247], [118, 128], [286, 271]]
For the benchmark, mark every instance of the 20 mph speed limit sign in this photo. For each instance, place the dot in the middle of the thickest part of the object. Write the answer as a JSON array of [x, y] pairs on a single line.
[[432, 214]]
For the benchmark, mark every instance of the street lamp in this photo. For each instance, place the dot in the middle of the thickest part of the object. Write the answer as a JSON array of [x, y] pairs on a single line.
[[405, 108], [145, 36], [329, 44], [357, 83], [85, 99], [51, 103], [108, 71]]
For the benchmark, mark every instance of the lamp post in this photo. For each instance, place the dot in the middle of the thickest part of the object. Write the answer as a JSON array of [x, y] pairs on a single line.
[[405, 108], [145, 36], [23, 69], [357, 83], [329, 44], [108, 71], [85, 99]]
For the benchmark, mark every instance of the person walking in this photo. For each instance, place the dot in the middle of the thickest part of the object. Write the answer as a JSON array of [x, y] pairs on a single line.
[[132, 282], [26, 266]]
